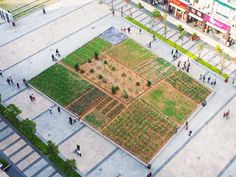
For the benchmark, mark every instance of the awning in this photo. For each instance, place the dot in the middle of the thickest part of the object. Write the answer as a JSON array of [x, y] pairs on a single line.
[[215, 27], [177, 7], [195, 16]]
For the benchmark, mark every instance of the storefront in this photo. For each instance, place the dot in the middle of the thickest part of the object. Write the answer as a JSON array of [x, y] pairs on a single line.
[[159, 3], [196, 18], [178, 8], [220, 28]]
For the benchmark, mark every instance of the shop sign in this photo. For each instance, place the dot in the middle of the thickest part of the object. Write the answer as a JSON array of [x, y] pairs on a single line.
[[178, 3], [195, 12], [216, 22]]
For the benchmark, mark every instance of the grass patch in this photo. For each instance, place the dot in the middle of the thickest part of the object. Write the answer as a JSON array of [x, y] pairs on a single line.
[[177, 106], [86, 52], [178, 47], [130, 53], [60, 84]]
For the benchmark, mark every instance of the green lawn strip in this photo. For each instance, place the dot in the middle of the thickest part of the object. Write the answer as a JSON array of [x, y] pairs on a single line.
[[60, 84], [178, 47], [86, 52], [37, 142]]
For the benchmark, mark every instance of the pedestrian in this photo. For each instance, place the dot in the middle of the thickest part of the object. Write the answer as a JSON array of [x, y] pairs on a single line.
[[186, 125], [190, 133], [8, 81], [78, 147], [25, 82], [113, 12], [140, 31], [185, 65], [200, 77], [172, 52], [224, 115], [31, 99], [215, 82], [187, 69], [212, 83], [150, 45], [1, 73], [59, 109], [44, 11], [179, 63], [18, 85], [176, 51], [50, 110], [70, 120], [154, 37], [128, 29], [188, 64], [53, 58], [204, 77], [58, 53], [11, 81], [228, 115], [149, 174], [124, 29], [208, 80]]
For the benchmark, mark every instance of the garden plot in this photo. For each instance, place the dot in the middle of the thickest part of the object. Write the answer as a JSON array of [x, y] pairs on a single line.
[[188, 86], [116, 79], [155, 70], [86, 52], [104, 113], [86, 101], [130, 54], [165, 98], [60, 84], [140, 130]]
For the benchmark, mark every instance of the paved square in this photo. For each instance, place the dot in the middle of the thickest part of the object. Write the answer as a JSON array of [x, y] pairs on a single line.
[[30, 109], [94, 148]]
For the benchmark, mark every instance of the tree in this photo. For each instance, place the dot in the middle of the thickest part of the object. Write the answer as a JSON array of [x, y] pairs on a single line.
[[165, 23], [200, 48], [11, 108], [181, 36], [52, 148], [221, 54], [140, 6], [155, 14], [28, 127], [70, 164]]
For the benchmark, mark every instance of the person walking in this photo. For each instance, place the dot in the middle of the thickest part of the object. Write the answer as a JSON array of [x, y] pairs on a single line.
[[113, 12], [140, 31], [8, 81], [172, 52], [50, 110], [200, 77], [18, 85], [44, 11], [70, 120], [53, 58], [187, 70], [59, 109], [11, 81], [227, 114], [129, 29], [1, 73], [154, 37], [58, 53], [179, 63], [208, 80], [190, 133], [31, 99], [215, 82], [186, 125], [149, 174], [150, 45], [204, 77]]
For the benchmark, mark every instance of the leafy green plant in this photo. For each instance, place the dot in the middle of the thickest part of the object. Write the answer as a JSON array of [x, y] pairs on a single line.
[[52, 148], [149, 83]]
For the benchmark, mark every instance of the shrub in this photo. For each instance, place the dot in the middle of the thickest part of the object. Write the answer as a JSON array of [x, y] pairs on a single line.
[[105, 62], [123, 75], [81, 71], [126, 96], [89, 60], [194, 34], [100, 76], [76, 67], [52, 148], [137, 83], [96, 55], [149, 83], [28, 127], [113, 68], [91, 70], [180, 28], [114, 89]]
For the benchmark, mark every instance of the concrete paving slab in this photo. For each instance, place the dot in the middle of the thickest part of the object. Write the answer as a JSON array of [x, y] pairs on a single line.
[[46, 172], [2, 125], [8, 141], [28, 161], [125, 166], [35, 168], [14, 147], [55, 126], [93, 148], [21, 154], [30, 109], [5, 133]]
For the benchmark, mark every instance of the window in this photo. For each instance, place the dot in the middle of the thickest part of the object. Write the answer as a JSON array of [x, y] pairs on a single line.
[[222, 10]]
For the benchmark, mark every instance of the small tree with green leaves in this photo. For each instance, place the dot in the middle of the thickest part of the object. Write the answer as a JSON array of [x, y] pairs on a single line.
[[12, 109], [28, 127], [165, 24], [140, 6], [52, 148], [155, 14], [181, 36], [220, 52], [76, 67], [70, 164], [149, 83], [200, 48]]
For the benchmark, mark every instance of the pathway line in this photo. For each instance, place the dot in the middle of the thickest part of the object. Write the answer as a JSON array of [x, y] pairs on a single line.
[[197, 132], [227, 166]]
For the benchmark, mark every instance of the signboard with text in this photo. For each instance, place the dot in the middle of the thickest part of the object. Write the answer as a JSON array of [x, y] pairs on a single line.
[[179, 4], [215, 22]]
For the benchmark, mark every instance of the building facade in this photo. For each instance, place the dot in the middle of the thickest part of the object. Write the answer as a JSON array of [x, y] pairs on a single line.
[[214, 17]]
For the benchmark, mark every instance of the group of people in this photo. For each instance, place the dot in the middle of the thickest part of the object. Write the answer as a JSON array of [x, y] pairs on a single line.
[[72, 120], [10, 81], [208, 80], [186, 127], [32, 98], [58, 110], [123, 29], [185, 66], [56, 55]]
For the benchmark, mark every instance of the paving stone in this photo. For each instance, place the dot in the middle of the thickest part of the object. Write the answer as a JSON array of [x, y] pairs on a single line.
[[2, 125], [8, 141], [57, 175], [28, 161], [5, 133], [10, 150], [46, 172], [35, 168], [94, 148], [22, 153]]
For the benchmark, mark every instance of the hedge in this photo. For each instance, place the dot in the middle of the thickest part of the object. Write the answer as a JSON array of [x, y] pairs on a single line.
[[11, 116], [178, 47]]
